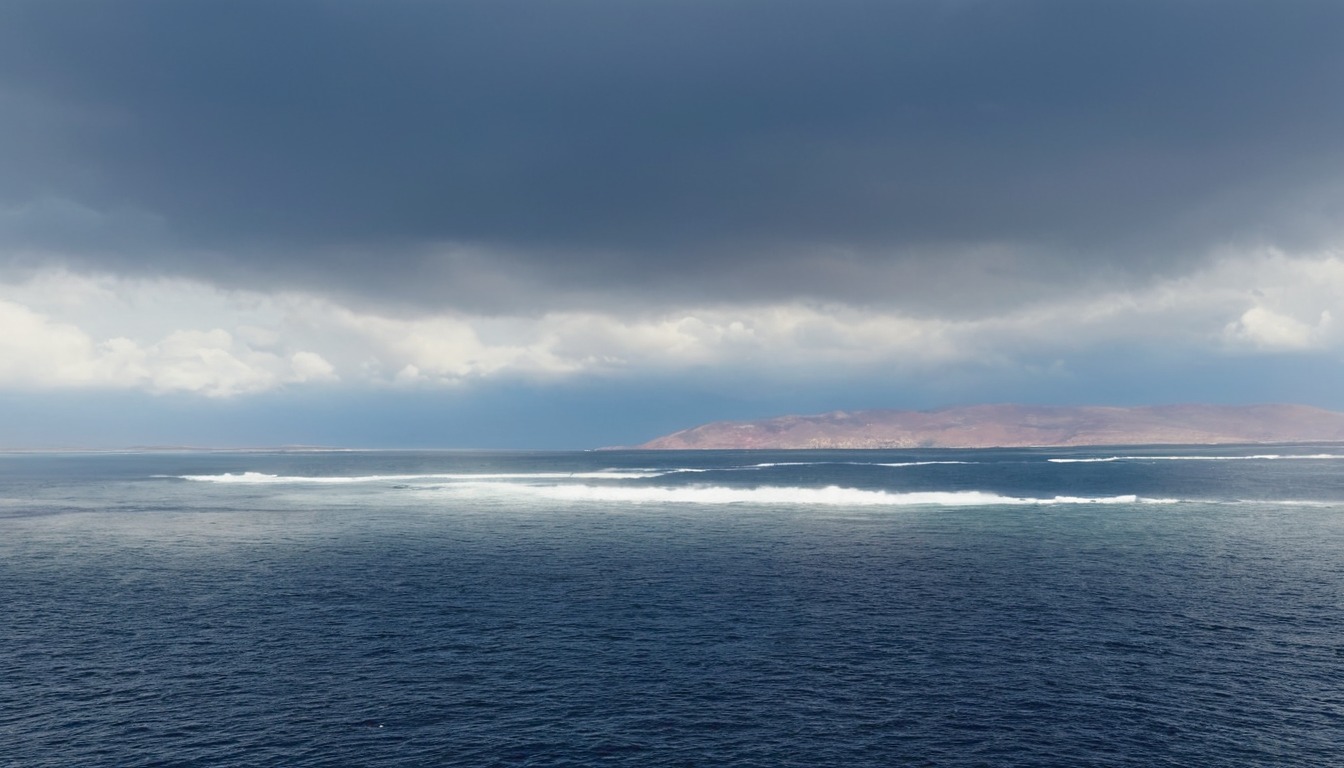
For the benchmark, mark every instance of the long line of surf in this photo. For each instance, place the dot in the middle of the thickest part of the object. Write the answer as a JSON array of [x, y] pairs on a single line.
[[259, 478], [262, 478], [1256, 457], [831, 495]]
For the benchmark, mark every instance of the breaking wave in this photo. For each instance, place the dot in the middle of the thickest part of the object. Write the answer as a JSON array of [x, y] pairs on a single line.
[[788, 495], [1257, 457], [642, 473], [588, 487], [921, 463], [261, 478], [769, 464]]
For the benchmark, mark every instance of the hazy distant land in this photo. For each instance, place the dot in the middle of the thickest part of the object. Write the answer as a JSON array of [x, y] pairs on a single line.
[[990, 426]]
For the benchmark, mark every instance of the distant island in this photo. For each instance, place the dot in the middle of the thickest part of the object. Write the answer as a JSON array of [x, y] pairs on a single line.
[[1010, 426]]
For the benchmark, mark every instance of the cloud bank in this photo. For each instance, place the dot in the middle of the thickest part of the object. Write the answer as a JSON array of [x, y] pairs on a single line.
[[494, 156], [69, 330], [232, 198]]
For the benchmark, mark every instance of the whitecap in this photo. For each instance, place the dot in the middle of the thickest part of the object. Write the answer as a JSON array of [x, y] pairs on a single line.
[[263, 478], [772, 464], [920, 463], [783, 495], [1256, 457]]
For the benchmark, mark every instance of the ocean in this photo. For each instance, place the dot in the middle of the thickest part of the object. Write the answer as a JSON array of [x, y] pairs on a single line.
[[1142, 606]]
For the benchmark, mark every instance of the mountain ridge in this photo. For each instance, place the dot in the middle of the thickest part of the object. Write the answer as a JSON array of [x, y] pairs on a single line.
[[1017, 426]]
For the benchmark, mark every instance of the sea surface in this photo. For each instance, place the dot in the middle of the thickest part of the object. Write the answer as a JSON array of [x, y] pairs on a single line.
[[1145, 606]]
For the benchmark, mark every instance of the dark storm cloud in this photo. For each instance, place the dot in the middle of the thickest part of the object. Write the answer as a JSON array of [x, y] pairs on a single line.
[[711, 150]]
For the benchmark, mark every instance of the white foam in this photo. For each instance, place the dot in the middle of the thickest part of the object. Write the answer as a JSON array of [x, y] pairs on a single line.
[[260, 478], [786, 495], [1257, 457], [921, 463], [535, 485], [605, 474], [768, 465]]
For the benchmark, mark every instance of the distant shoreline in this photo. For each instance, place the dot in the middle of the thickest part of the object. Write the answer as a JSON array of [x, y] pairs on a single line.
[[1245, 444], [1018, 426]]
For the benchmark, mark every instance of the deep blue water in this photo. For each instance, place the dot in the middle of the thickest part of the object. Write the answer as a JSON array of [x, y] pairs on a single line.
[[1156, 607]]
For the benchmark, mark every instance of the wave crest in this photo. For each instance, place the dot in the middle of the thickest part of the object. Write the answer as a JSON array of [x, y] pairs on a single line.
[[261, 478], [829, 496], [1257, 457]]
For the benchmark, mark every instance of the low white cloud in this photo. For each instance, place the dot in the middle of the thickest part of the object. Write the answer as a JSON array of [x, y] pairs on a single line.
[[68, 330], [310, 366], [37, 352], [1266, 329]]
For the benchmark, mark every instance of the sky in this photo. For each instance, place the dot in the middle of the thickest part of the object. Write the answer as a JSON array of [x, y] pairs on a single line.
[[581, 223]]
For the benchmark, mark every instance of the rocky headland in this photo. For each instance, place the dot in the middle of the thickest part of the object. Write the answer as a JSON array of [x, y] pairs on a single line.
[[991, 426]]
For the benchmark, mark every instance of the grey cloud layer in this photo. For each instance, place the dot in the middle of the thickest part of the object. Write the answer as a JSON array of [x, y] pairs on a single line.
[[487, 153]]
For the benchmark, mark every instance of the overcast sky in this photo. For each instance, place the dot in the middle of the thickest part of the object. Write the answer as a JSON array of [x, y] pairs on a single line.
[[571, 223]]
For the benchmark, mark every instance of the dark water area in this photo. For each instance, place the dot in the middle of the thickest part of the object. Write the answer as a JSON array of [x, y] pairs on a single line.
[[1132, 607]]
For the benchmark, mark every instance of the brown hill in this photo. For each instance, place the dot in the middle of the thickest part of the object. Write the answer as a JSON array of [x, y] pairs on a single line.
[[988, 426]]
